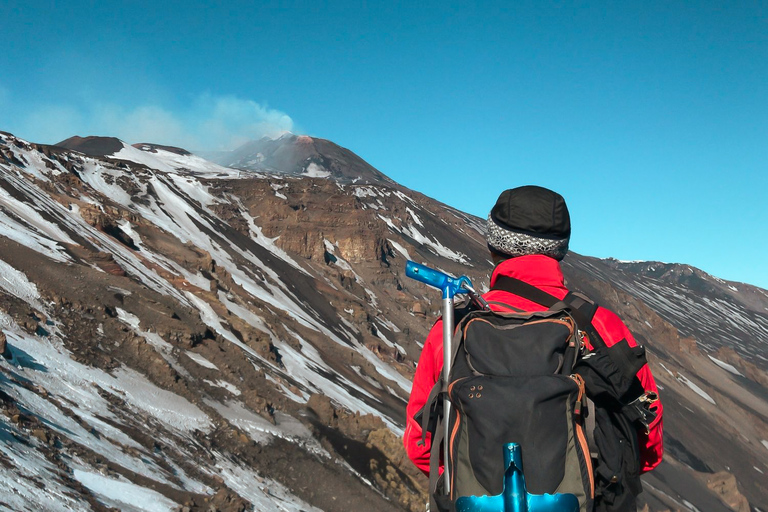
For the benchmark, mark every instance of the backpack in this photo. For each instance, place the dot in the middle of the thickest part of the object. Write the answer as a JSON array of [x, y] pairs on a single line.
[[526, 378]]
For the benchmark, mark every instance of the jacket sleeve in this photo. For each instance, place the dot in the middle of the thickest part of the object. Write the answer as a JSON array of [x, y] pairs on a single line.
[[427, 373], [651, 443]]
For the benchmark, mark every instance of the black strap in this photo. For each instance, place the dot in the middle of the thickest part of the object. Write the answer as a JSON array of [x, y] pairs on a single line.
[[435, 489], [525, 290], [432, 410], [582, 309]]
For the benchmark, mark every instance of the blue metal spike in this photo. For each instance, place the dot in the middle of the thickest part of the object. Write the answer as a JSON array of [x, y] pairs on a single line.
[[514, 497]]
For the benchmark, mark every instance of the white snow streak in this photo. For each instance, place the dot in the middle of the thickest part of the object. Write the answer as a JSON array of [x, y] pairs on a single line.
[[16, 283], [726, 366], [696, 389], [124, 495], [201, 360], [399, 248], [23, 224]]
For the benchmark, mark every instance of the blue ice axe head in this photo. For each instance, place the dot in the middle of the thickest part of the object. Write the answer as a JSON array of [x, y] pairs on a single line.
[[449, 285], [514, 497]]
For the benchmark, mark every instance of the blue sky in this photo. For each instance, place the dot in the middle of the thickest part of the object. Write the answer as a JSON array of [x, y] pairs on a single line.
[[651, 118]]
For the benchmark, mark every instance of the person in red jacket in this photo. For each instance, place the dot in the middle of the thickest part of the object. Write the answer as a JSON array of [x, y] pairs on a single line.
[[528, 231]]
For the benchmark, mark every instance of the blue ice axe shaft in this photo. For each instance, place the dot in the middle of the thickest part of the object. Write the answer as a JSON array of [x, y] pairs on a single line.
[[450, 286], [514, 496]]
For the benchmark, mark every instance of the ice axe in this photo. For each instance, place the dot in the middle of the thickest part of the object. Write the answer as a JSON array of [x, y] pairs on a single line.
[[450, 286]]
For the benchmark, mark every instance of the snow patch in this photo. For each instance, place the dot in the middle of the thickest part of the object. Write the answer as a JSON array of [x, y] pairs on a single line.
[[201, 360], [399, 248], [696, 389], [194, 190], [363, 192], [263, 493], [340, 262], [435, 245], [404, 197], [123, 495], [667, 369], [314, 170], [726, 366], [23, 224], [16, 283], [690, 506], [420, 238], [29, 480], [197, 166], [414, 217], [390, 223], [276, 187], [138, 156], [48, 363], [170, 408], [391, 344], [224, 384], [157, 342], [268, 243]]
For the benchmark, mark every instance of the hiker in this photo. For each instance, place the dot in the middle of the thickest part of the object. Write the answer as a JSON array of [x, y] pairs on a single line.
[[528, 231]]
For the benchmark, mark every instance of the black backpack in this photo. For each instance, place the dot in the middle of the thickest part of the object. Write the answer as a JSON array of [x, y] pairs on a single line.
[[527, 378]]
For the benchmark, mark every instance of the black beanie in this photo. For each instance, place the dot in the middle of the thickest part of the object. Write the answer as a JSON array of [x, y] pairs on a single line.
[[529, 220]]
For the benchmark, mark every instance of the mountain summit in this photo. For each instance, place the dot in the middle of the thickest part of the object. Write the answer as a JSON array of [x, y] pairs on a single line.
[[301, 155], [92, 145]]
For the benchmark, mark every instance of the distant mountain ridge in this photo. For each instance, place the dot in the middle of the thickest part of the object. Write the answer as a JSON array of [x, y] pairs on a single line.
[[244, 337], [715, 312]]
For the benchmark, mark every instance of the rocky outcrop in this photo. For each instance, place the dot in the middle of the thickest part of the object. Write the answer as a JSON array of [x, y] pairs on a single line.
[[750, 370], [725, 487], [387, 463], [4, 345]]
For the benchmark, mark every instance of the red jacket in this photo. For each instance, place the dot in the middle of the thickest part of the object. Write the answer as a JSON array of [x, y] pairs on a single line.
[[544, 273]]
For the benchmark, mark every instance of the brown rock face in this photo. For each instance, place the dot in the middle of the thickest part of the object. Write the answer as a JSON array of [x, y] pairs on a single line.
[[689, 346], [385, 455], [324, 409], [724, 484], [3, 344], [750, 370]]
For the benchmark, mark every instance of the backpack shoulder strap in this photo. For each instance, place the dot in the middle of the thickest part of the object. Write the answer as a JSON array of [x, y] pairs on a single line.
[[525, 290], [583, 310], [581, 307]]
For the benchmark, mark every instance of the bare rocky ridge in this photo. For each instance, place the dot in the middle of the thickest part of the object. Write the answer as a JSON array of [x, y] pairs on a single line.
[[227, 340], [92, 145]]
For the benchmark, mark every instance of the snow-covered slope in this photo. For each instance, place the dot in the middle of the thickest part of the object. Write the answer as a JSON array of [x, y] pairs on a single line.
[[715, 312], [180, 334]]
